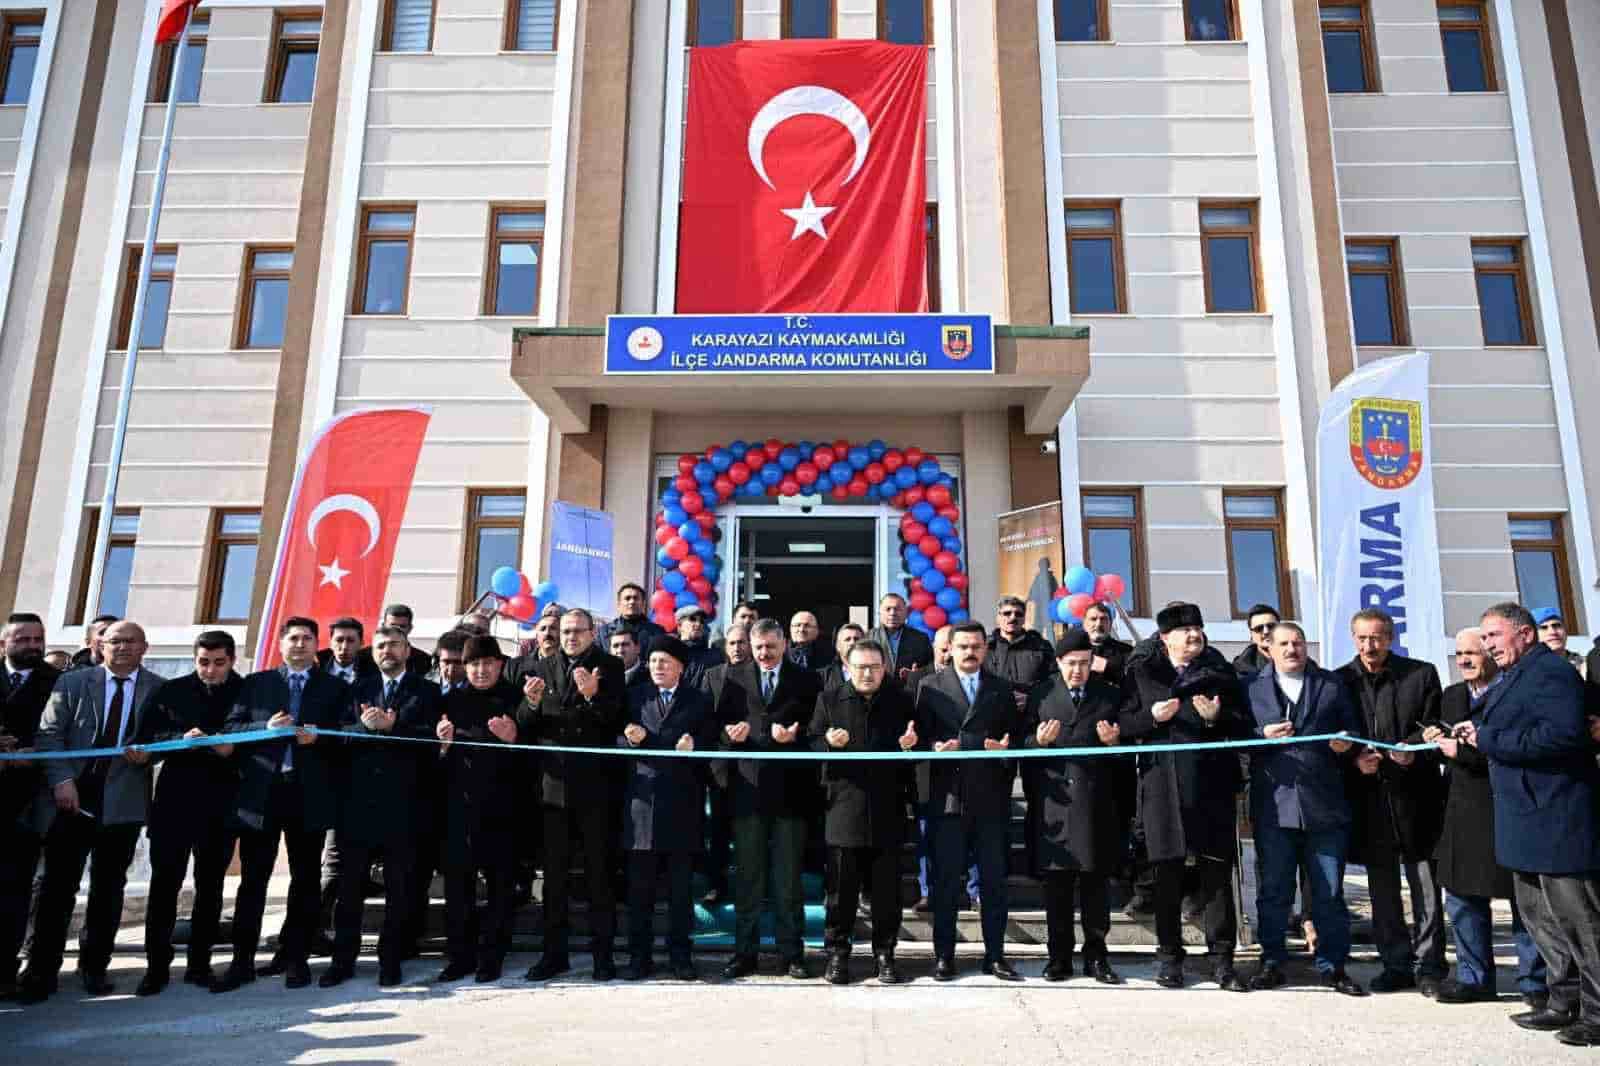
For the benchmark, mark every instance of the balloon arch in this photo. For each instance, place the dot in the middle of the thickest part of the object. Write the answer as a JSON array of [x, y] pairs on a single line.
[[686, 531]]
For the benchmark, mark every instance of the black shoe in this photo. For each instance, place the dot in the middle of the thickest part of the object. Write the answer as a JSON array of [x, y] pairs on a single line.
[[1429, 987], [888, 973], [1100, 970], [1536, 1000], [488, 971], [321, 945], [389, 976], [1545, 1021], [34, 990], [277, 966], [454, 971], [1170, 975], [1343, 984], [335, 975], [547, 967], [1580, 1034], [96, 984], [1454, 991], [739, 966], [233, 977], [945, 969], [638, 970], [199, 976], [1268, 977], [1002, 969], [1228, 979], [1388, 981], [838, 971], [683, 970], [1056, 970], [298, 975], [798, 970], [153, 982], [604, 969]]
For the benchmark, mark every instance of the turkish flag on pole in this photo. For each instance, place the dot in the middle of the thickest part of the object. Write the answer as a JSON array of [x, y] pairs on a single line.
[[337, 543], [804, 178], [174, 13]]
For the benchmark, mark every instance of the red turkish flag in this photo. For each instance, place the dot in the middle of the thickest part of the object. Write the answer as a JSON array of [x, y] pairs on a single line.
[[174, 13], [804, 178], [337, 544]]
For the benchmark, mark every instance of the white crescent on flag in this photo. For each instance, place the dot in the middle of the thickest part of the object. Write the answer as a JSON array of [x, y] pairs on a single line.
[[809, 100], [356, 505]]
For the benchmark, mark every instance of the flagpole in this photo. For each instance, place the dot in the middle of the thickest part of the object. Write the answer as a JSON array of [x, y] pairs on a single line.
[[119, 432]]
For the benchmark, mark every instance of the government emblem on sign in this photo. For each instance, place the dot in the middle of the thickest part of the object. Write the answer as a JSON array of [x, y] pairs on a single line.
[[957, 341], [645, 343], [1386, 441]]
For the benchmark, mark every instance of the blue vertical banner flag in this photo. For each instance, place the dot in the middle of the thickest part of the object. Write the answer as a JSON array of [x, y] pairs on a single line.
[[580, 556]]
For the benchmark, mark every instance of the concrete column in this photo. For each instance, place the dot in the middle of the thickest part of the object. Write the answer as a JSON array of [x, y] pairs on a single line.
[[985, 493], [629, 466]]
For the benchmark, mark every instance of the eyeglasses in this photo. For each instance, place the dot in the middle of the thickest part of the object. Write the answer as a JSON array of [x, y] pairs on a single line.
[[1011, 614], [1263, 628]]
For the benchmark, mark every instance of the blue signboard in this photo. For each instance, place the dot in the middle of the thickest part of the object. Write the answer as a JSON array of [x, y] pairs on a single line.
[[580, 556], [799, 344]]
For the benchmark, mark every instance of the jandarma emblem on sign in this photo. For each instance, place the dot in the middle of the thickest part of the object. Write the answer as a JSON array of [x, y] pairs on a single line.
[[645, 343], [957, 341], [1386, 441]]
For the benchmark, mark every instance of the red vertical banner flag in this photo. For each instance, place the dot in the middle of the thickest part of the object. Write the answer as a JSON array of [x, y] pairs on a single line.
[[174, 13], [337, 541], [804, 178]]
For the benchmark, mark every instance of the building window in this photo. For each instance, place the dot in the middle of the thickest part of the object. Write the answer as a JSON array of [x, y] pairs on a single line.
[[230, 567], [407, 26], [1113, 540], [194, 64], [905, 22], [807, 18], [1082, 20], [494, 537], [1503, 302], [1347, 48], [1539, 555], [1210, 20], [293, 74], [1094, 259], [384, 259], [715, 21], [1228, 257], [118, 571], [1252, 521], [1468, 57], [1377, 299], [264, 297], [531, 25], [153, 333], [19, 52], [930, 228], [516, 243]]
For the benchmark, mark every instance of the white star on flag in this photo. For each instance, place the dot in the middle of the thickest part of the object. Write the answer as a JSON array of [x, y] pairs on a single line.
[[808, 218], [332, 574]]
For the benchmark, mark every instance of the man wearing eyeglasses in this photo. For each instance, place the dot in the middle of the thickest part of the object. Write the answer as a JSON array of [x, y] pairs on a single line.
[[1257, 657]]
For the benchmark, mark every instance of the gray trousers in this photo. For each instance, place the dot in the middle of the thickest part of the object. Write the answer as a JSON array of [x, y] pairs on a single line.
[[1414, 945], [1562, 914]]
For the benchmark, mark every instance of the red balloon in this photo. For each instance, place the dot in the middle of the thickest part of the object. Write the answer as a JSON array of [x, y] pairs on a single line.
[[685, 483], [1078, 603], [523, 588], [957, 581], [521, 608], [686, 463], [664, 533], [806, 473], [952, 512], [789, 487], [823, 457], [738, 473], [928, 545], [913, 532], [706, 521], [898, 500], [921, 600], [692, 567], [839, 492], [677, 548], [772, 490], [1108, 587], [1061, 592], [724, 486], [665, 619], [692, 503], [893, 460], [916, 586], [709, 606], [914, 495], [875, 473], [915, 455], [841, 449], [662, 601], [773, 447], [935, 617], [946, 563], [939, 495], [858, 486], [700, 586], [755, 458]]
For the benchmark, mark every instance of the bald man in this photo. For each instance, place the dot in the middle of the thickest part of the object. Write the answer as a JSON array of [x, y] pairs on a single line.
[[806, 648]]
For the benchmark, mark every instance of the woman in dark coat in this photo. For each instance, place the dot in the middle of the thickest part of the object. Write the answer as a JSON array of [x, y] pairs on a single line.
[[1188, 693], [1080, 834]]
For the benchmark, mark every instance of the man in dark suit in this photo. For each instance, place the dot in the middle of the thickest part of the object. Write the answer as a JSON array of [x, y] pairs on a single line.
[[836, 675], [1023, 657], [1260, 621], [25, 686], [288, 789], [92, 807], [345, 657], [398, 616], [1546, 815], [189, 811], [1110, 654], [624, 646], [91, 653], [1298, 806], [576, 698], [1397, 804], [768, 704], [378, 818], [719, 831], [909, 650], [966, 708], [633, 605], [806, 648], [448, 675]]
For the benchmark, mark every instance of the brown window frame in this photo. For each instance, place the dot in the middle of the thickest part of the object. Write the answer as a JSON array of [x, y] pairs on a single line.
[[130, 289], [1363, 29], [1135, 525], [883, 21], [386, 41], [283, 46], [784, 22], [166, 54], [1118, 262], [508, 41], [1252, 232], [91, 523], [1557, 547], [8, 41], [1491, 79], [1519, 270], [1279, 526], [248, 275], [491, 270], [467, 591], [930, 245], [208, 607], [1397, 288], [1102, 22], [364, 240], [691, 36], [1233, 23]]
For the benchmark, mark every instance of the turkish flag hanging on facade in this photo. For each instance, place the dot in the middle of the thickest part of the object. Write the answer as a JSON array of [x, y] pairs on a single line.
[[337, 543], [174, 13], [804, 178]]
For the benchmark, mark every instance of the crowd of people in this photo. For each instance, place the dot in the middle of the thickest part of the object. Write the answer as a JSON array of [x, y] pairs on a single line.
[[1505, 804]]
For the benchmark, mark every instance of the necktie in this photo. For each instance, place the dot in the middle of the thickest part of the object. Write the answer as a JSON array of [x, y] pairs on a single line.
[[388, 693], [666, 698], [111, 736], [768, 683], [16, 681], [971, 686], [297, 684], [1077, 696]]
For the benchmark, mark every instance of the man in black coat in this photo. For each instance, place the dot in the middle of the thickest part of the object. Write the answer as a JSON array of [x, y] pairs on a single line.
[[695, 633], [909, 650], [719, 832], [576, 698], [383, 792], [632, 617], [866, 805], [836, 675], [288, 789], [767, 704], [1024, 658], [1397, 804], [806, 648], [1080, 838], [1110, 654], [1258, 656], [25, 688], [189, 812], [968, 801], [624, 646], [343, 657], [397, 616]]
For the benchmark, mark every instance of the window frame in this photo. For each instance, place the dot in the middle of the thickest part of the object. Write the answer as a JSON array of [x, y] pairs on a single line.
[[166, 54], [8, 44], [1102, 22], [930, 246], [1370, 81], [1135, 525], [1557, 547], [508, 40], [1398, 317], [691, 36], [1526, 317], [467, 591], [248, 275], [1279, 527], [1232, 13], [491, 271], [1491, 79], [883, 21], [785, 22], [284, 46], [208, 608], [1118, 263], [364, 241], [386, 35], [1252, 233], [85, 567], [130, 289]]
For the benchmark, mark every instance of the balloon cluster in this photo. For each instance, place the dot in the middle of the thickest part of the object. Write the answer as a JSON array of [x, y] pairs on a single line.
[[517, 598], [1080, 589], [686, 531]]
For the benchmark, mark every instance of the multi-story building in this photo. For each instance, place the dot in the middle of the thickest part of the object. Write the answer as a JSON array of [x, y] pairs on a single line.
[[439, 201]]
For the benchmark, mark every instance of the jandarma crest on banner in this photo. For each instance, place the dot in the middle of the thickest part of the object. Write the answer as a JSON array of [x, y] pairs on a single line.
[[1386, 441]]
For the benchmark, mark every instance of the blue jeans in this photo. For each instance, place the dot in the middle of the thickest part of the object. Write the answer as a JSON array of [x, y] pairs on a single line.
[[1281, 852], [1474, 928], [922, 864]]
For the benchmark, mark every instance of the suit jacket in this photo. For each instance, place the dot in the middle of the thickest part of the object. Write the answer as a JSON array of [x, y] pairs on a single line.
[[980, 788], [1542, 768], [666, 797], [190, 785], [72, 719], [363, 666], [866, 801], [564, 718], [916, 649], [1465, 852], [319, 769], [1395, 706], [20, 709], [778, 787], [384, 777], [1300, 786], [1079, 828], [714, 683], [482, 787]]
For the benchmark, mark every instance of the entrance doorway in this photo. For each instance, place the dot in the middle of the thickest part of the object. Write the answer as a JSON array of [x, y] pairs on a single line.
[[822, 564]]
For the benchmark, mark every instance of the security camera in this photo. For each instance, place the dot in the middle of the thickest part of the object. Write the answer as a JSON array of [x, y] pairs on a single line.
[[1047, 446]]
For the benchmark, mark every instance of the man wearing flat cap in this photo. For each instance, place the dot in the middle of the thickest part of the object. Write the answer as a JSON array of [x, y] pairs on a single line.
[[695, 635]]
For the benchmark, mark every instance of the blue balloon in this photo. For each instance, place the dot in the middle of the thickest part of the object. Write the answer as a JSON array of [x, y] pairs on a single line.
[[929, 463], [914, 619], [932, 580], [840, 473], [789, 458], [674, 582], [771, 474], [905, 477], [951, 545], [546, 592], [806, 448], [919, 566], [687, 598], [809, 490], [670, 497], [704, 472], [675, 515], [956, 616], [505, 581], [690, 531], [923, 512], [1058, 608], [876, 448], [526, 627], [946, 480], [948, 598], [927, 471], [939, 525], [1079, 579], [887, 490], [721, 459], [665, 561], [704, 548], [859, 457], [909, 552], [738, 448]]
